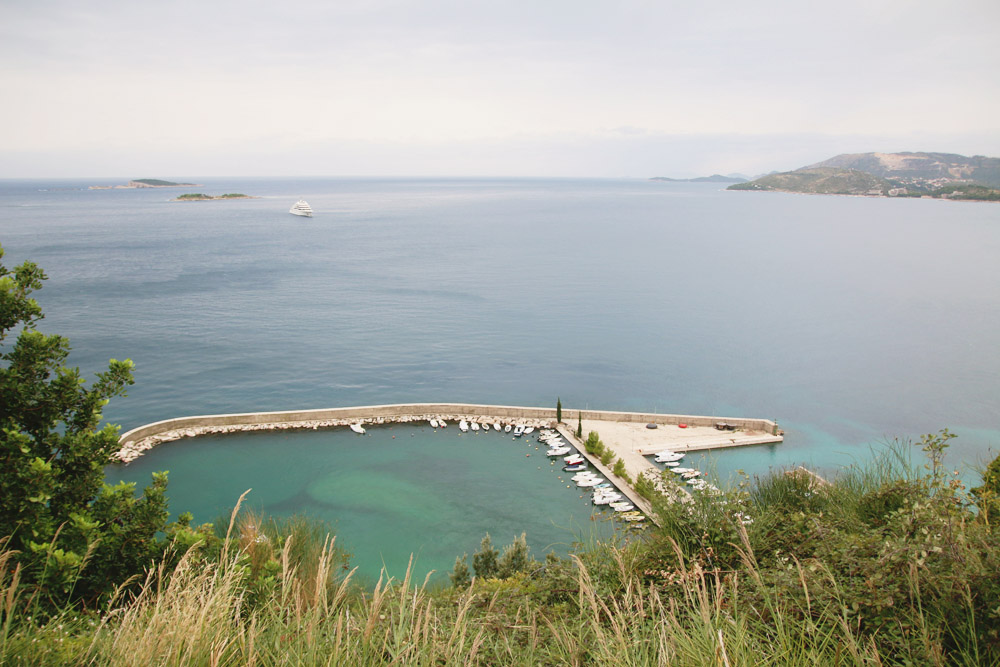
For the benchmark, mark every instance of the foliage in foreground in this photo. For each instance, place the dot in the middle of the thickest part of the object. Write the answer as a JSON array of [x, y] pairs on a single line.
[[73, 537], [883, 566]]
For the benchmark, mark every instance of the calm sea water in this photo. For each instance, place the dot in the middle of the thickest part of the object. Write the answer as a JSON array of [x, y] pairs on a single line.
[[850, 320]]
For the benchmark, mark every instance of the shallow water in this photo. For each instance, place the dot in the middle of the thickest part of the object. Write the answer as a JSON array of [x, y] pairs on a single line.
[[395, 490]]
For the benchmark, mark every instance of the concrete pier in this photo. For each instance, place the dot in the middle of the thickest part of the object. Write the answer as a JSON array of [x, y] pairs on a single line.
[[624, 432]]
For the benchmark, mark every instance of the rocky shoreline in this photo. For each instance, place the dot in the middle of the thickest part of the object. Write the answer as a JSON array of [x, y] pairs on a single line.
[[132, 450]]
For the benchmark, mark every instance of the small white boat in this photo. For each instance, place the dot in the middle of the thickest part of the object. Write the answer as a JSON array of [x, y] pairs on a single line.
[[433, 422], [506, 429], [573, 459], [584, 474], [622, 507], [593, 481], [681, 471], [496, 425], [529, 429], [557, 451], [690, 475], [442, 423], [358, 428], [668, 455], [672, 464], [463, 426], [606, 498], [474, 425], [301, 208], [518, 431]]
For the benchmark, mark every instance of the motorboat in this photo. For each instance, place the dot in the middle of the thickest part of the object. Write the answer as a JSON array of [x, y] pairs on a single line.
[[622, 507], [672, 464], [557, 451], [576, 459], [358, 428], [442, 423], [301, 207], [575, 467], [529, 429], [606, 498], [475, 426], [690, 475], [584, 474], [668, 455], [681, 471], [463, 426], [518, 431], [433, 422], [585, 483], [507, 428], [496, 425]]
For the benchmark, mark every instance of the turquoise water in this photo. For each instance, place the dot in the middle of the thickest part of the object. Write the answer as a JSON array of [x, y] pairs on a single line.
[[850, 320], [394, 491]]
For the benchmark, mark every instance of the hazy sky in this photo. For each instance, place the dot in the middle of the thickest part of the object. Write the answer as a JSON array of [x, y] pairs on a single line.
[[541, 88]]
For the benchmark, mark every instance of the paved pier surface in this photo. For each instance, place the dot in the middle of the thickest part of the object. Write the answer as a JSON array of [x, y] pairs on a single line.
[[632, 442]]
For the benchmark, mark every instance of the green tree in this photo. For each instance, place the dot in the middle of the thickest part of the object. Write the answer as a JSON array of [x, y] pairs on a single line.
[[558, 410], [484, 561], [988, 494], [579, 426], [76, 537], [460, 575], [516, 558]]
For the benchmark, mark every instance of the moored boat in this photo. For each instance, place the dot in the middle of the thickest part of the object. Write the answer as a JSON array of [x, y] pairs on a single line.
[[433, 422], [357, 428], [463, 426]]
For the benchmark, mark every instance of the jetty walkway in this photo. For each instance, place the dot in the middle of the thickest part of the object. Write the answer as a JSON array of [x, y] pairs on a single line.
[[625, 432]]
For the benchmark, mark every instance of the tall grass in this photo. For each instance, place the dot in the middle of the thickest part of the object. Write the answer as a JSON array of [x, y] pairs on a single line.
[[272, 597]]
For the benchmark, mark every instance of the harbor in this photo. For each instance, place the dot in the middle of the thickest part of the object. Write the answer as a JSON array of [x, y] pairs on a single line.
[[632, 438]]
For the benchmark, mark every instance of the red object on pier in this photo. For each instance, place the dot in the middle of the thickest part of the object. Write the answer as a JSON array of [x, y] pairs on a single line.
[[682, 426]]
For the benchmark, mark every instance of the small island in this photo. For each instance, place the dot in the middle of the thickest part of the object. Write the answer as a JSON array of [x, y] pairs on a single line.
[[145, 183], [197, 196]]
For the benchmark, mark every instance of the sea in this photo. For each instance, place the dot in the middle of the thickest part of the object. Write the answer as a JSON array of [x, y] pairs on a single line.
[[855, 322]]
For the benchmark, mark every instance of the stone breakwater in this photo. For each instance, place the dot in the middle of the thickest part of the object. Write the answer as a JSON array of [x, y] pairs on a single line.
[[133, 449], [139, 440]]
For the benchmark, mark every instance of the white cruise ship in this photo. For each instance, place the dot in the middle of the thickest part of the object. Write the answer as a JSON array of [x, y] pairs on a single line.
[[301, 208]]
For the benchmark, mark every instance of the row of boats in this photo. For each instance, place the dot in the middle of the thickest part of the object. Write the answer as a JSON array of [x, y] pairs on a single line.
[[603, 492], [672, 461]]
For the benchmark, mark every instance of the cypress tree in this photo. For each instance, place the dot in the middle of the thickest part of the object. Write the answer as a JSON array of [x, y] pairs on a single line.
[[579, 426], [558, 410]]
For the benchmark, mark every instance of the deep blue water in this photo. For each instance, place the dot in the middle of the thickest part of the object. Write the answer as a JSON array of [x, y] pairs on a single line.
[[850, 320]]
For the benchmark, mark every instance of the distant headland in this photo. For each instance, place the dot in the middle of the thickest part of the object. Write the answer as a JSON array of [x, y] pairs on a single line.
[[714, 178], [146, 183], [934, 175]]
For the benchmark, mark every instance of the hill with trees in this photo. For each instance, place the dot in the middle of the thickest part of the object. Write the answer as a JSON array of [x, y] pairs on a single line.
[[938, 175]]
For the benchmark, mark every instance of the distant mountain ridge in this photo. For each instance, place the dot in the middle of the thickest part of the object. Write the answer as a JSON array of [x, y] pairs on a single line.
[[934, 169], [714, 178], [944, 175]]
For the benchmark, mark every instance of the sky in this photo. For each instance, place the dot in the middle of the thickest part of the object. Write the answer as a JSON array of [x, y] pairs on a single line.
[[548, 88]]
